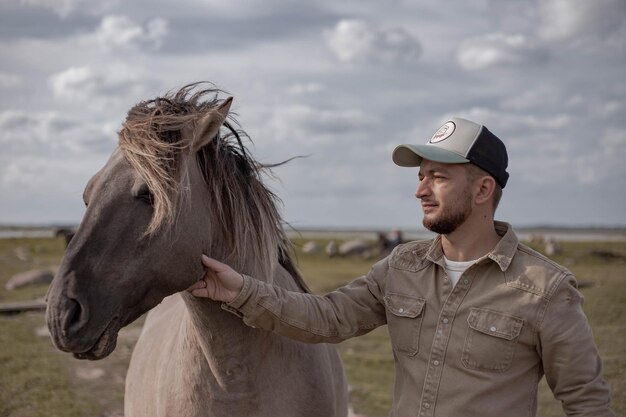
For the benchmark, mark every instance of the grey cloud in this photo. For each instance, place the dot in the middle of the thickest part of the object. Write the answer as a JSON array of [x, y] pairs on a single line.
[[307, 128], [119, 31], [89, 83], [49, 134], [10, 81], [17, 21], [204, 32], [198, 26], [66, 8], [353, 40], [575, 20], [498, 49], [305, 88]]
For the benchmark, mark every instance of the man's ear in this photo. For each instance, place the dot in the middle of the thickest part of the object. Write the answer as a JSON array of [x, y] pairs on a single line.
[[207, 127], [486, 187]]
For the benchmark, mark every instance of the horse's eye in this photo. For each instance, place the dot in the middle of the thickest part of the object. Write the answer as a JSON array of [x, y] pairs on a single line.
[[142, 192], [146, 197]]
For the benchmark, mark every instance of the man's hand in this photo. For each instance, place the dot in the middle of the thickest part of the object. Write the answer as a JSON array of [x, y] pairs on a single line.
[[220, 283]]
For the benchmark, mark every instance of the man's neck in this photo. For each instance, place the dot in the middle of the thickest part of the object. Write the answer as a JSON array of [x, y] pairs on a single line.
[[470, 241]]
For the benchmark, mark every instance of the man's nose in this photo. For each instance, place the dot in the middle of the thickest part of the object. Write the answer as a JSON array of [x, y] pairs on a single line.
[[422, 189]]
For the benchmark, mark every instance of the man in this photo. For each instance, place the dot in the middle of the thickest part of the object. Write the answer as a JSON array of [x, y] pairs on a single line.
[[475, 317]]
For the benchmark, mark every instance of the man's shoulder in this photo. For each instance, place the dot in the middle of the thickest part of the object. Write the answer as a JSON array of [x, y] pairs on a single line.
[[533, 272], [409, 256]]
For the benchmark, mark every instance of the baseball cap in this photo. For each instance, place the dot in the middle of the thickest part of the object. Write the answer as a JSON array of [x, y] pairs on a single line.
[[459, 141]]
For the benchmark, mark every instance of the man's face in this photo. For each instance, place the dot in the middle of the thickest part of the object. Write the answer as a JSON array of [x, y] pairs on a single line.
[[444, 191]]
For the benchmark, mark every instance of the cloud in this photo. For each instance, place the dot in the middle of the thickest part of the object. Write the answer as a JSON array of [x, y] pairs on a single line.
[[357, 41], [64, 8], [121, 31], [107, 63], [305, 89], [309, 127], [43, 189], [115, 80], [609, 109], [8, 80], [614, 142], [45, 176], [73, 81], [50, 134], [498, 49], [596, 164], [575, 20]]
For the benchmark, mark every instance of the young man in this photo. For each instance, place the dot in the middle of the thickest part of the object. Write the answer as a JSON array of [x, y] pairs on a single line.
[[475, 317]]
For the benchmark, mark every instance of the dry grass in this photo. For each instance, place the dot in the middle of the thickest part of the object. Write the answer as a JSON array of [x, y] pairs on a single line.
[[34, 380]]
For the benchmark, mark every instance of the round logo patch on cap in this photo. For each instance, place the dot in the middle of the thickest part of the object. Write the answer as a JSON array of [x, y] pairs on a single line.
[[443, 133]]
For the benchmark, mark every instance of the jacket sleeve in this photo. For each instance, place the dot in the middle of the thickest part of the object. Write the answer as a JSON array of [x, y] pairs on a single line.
[[352, 310], [570, 358]]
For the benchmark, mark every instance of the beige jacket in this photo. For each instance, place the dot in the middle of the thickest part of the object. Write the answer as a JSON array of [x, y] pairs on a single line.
[[478, 349]]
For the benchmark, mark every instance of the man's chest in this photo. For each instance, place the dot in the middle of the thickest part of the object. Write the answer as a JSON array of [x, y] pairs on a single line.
[[481, 319]]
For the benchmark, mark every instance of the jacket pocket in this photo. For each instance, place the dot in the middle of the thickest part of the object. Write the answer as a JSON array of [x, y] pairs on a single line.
[[491, 340], [404, 321]]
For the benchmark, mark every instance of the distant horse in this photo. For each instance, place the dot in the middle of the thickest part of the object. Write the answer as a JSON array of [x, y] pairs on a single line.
[[176, 187], [67, 234]]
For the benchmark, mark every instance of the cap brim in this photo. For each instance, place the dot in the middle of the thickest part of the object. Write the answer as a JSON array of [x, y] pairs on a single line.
[[412, 155]]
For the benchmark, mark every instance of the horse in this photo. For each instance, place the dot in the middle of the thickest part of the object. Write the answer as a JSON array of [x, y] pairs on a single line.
[[181, 183]]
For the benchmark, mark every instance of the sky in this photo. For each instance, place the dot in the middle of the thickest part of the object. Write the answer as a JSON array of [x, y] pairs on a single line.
[[342, 82]]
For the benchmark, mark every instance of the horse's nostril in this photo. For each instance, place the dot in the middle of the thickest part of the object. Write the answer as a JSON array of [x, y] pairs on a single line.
[[75, 316]]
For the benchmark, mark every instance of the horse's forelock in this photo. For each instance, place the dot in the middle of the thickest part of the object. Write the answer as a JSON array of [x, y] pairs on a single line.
[[153, 141]]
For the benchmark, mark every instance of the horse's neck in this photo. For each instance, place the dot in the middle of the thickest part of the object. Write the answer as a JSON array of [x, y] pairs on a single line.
[[221, 334], [243, 261], [222, 356], [228, 350], [217, 332]]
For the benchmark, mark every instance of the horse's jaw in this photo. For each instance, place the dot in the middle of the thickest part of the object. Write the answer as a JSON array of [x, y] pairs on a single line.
[[104, 345]]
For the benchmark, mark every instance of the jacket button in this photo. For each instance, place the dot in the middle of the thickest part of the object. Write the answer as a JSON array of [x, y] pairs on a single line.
[[401, 310], [493, 328]]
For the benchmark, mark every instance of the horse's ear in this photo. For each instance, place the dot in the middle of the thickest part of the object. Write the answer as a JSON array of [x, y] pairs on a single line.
[[209, 125]]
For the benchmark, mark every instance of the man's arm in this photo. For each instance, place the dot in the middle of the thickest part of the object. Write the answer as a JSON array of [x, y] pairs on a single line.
[[571, 362], [352, 310]]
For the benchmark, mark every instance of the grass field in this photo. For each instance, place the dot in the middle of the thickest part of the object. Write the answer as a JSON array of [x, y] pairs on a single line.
[[36, 380]]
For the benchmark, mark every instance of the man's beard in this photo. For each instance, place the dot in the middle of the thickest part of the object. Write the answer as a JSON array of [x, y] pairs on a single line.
[[452, 216]]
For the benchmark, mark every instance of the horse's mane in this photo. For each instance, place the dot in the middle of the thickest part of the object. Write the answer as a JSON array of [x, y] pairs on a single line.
[[157, 135]]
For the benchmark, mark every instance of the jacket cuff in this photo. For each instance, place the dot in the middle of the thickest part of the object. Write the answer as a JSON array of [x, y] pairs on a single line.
[[235, 305]]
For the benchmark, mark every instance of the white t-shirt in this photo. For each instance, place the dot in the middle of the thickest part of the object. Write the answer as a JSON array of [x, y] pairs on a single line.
[[455, 269]]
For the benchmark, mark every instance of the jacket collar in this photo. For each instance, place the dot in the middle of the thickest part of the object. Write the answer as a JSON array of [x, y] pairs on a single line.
[[502, 253]]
